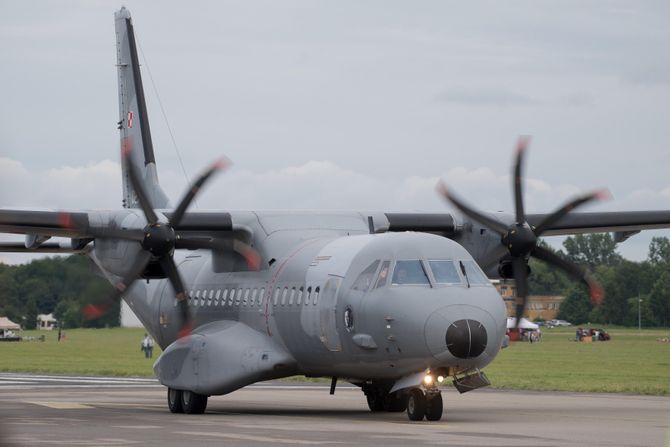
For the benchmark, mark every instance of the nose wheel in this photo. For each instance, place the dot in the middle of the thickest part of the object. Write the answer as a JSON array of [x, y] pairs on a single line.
[[426, 404]]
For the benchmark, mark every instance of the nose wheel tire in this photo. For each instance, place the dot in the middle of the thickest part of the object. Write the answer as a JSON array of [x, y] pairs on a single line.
[[434, 407], [174, 400], [416, 405], [193, 403]]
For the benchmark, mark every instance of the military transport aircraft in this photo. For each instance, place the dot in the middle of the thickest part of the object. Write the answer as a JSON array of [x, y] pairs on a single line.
[[392, 302]]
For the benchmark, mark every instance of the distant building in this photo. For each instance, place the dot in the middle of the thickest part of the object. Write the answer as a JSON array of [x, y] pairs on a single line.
[[46, 322], [8, 328], [543, 307]]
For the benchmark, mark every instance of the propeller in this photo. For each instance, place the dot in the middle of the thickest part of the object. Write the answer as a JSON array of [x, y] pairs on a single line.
[[519, 241], [159, 240]]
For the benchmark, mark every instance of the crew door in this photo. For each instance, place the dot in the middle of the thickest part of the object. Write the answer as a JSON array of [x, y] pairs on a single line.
[[328, 314]]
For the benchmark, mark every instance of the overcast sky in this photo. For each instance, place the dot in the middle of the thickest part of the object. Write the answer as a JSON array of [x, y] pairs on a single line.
[[347, 104]]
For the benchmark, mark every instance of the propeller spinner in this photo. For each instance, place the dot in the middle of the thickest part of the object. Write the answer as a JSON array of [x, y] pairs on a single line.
[[519, 241]]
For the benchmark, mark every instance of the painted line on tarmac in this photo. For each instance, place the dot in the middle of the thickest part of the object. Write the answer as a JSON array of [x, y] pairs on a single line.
[[255, 438], [60, 405]]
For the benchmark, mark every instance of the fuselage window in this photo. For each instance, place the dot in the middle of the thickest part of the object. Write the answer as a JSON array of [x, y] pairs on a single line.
[[238, 296], [261, 296], [291, 298], [445, 272], [308, 295], [316, 295], [196, 301], [383, 274], [365, 279], [217, 297], [298, 300], [245, 300], [231, 297], [210, 298], [252, 299], [224, 297], [275, 299], [410, 273], [283, 296], [475, 274]]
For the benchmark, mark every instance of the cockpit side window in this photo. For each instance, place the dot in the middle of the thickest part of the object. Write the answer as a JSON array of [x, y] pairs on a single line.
[[383, 274], [475, 275], [365, 279], [410, 272], [445, 272]]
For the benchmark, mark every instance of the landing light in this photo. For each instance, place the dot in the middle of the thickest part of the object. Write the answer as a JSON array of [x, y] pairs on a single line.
[[440, 379], [428, 379]]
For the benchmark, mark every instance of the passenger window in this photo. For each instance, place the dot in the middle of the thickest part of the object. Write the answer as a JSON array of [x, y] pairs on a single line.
[[383, 274], [275, 300], [307, 297], [474, 274], [224, 297], [365, 279], [238, 296], [245, 300], [291, 297], [409, 273], [217, 297], [261, 296], [445, 272], [316, 296], [298, 300], [210, 298], [283, 296], [231, 297], [197, 298], [252, 300]]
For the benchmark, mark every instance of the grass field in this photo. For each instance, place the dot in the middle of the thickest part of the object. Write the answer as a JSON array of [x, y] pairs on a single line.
[[632, 362]]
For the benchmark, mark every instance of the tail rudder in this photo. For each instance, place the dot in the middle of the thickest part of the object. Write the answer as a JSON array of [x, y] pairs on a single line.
[[133, 123]]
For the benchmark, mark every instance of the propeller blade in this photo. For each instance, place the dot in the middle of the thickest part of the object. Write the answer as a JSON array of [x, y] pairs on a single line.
[[470, 212], [93, 311], [170, 269], [145, 203], [565, 209], [195, 188], [493, 257], [518, 179], [572, 269], [521, 281], [249, 254]]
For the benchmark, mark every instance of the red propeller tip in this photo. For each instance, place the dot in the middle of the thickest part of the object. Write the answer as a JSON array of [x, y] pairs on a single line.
[[603, 194], [185, 331], [221, 164], [65, 220], [126, 146], [522, 144], [93, 312], [441, 188]]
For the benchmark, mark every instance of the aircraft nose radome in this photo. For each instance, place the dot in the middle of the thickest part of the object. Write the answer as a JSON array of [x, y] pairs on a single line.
[[466, 339]]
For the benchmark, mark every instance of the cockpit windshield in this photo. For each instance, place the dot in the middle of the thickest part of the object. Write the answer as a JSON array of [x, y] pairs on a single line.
[[475, 275], [445, 272], [409, 273]]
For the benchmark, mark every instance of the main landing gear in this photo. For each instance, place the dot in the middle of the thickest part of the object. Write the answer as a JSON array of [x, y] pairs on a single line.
[[426, 404], [186, 401]]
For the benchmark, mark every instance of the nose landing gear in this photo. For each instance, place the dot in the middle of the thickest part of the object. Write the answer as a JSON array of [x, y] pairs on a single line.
[[426, 404]]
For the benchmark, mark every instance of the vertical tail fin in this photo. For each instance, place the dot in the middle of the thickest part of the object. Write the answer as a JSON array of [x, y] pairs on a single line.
[[133, 118]]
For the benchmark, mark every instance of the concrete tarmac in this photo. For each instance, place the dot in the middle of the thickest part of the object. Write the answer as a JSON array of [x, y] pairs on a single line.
[[84, 411]]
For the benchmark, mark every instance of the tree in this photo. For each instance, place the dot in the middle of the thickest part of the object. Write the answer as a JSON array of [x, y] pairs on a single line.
[[659, 251], [546, 279], [576, 306], [592, 250], [659, 300]]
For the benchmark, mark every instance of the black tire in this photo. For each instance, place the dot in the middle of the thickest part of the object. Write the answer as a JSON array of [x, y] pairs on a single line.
[[395, 402], [375, 402], [434, 407], [193, 403], [416, 405], [174, 400]]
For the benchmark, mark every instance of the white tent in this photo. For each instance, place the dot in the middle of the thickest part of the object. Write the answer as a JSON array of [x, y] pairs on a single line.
[[7, 327], [525, 324]]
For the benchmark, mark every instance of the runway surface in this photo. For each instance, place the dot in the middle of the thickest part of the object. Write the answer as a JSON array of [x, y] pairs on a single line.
[[99, 411]]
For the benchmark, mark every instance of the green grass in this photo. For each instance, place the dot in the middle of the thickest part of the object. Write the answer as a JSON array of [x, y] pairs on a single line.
[[632, 362], [114, 352]]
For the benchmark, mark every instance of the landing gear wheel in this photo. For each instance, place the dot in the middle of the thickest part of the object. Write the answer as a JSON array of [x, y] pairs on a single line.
[[416, 405], [375, 402], [434, 407], [193, 403], [174, 400]]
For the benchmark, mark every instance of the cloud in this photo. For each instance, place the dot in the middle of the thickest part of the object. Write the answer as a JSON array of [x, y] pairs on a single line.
[[483, 97]]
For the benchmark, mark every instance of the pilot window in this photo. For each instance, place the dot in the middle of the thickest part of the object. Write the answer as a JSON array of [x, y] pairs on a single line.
[[383, 274], [475, 275], [365, 279], [409, 273], [445, 272]]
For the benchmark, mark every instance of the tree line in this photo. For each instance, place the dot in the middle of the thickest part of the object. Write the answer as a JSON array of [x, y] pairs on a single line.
[[58, 285], [632, 289], [64, 285]]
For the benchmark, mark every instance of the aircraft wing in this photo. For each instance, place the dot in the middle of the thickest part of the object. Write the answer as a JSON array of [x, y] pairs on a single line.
[[45, 223], [615, 221]]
